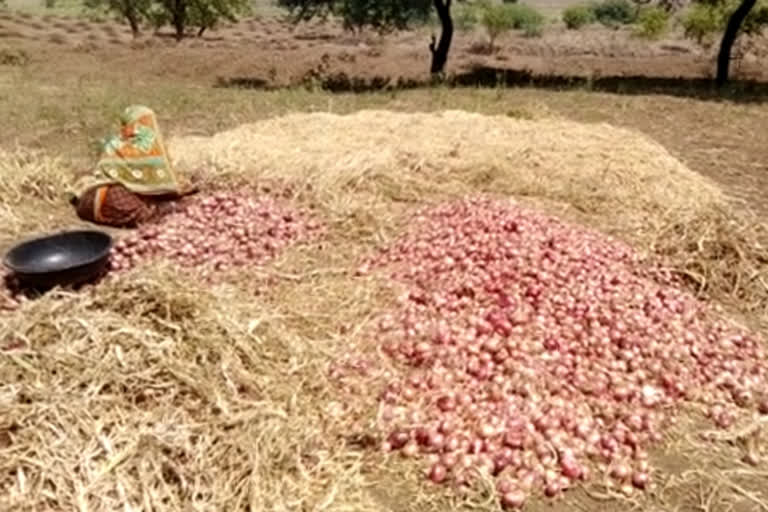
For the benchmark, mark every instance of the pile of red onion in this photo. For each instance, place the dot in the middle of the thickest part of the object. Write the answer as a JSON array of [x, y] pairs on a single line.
[[218, 232], [543, 352], [215, 232]]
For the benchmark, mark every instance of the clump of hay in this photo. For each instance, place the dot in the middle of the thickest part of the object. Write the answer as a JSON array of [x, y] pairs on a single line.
[[596, 169], [153, 391], [58, 38], [13, 57]]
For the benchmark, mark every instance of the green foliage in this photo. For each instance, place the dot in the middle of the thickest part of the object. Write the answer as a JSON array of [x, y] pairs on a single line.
[[206, 14], [757, 19], [578, 16], [198, 14], [497, 20], [702, 21], [133, 12], [501, 18], [652, 22], [467, 17], [382, 15], [707, 19], [613, 13], [528, 19]]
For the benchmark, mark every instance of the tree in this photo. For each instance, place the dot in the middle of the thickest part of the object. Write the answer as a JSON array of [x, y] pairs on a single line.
[[205, 14], [180, 14], [497, 20], [731, 17], [175, 13], [134, 12], [743, 18], [384, 16], [729, 37], [200, 14]]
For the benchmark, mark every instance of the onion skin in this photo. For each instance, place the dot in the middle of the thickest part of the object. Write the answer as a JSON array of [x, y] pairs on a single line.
[[547, 349], [222, 230]]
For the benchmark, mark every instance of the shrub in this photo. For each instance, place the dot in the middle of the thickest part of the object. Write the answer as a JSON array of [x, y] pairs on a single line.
[[702, 21], [524, 16], [466, 17], [613, 13], [497, 20], [652, 22], [527, 19], [578, 16], [501, 18]]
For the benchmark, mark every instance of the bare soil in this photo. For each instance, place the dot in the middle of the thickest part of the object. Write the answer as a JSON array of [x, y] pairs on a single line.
[[276, 52]]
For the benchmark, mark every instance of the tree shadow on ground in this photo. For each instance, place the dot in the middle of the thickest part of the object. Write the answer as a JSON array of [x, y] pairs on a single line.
[[741, 91]]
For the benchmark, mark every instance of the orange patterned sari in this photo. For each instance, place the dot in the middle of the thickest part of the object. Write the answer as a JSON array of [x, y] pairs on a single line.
[[133, 170]]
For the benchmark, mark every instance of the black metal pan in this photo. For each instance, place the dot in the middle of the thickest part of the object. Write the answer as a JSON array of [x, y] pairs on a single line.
[[62, 259]]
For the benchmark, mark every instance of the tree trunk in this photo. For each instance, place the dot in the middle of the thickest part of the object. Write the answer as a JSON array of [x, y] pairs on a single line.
[[133, 21], [729, 37], [201, 31], [180, 18], [440, 51]]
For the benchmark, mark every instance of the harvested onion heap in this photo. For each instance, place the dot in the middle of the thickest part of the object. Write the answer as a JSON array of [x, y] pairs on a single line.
[[218, 232], [540, 352]]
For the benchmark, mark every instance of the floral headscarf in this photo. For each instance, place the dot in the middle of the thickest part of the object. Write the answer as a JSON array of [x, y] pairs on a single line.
[[136, 158]]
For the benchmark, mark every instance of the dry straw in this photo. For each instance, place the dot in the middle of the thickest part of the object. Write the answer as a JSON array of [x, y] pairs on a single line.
[[152, 392]]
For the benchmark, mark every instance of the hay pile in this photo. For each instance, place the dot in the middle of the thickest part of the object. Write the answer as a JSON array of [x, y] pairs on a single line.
[[596, 169], [154, 392]]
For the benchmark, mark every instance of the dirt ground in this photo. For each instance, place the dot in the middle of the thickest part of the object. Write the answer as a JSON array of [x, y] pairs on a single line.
[[272, 50]]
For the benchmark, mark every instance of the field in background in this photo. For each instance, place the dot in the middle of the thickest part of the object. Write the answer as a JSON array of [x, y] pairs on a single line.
[[262, 7], [75, 7]]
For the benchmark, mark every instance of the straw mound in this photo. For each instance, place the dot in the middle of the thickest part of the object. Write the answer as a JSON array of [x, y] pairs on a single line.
[[597, 169], [154, 391]]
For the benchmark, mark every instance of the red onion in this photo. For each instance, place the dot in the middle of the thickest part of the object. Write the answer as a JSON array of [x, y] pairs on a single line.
[[222, 230], [512, 499], [640, 480], [564, 349], [437, 473]]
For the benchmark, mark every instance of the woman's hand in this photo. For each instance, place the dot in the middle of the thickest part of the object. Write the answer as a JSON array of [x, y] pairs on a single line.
[[189, 190]]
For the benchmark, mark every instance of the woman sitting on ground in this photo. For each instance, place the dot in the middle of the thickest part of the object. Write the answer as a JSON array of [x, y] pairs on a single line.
[[133, 180]]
